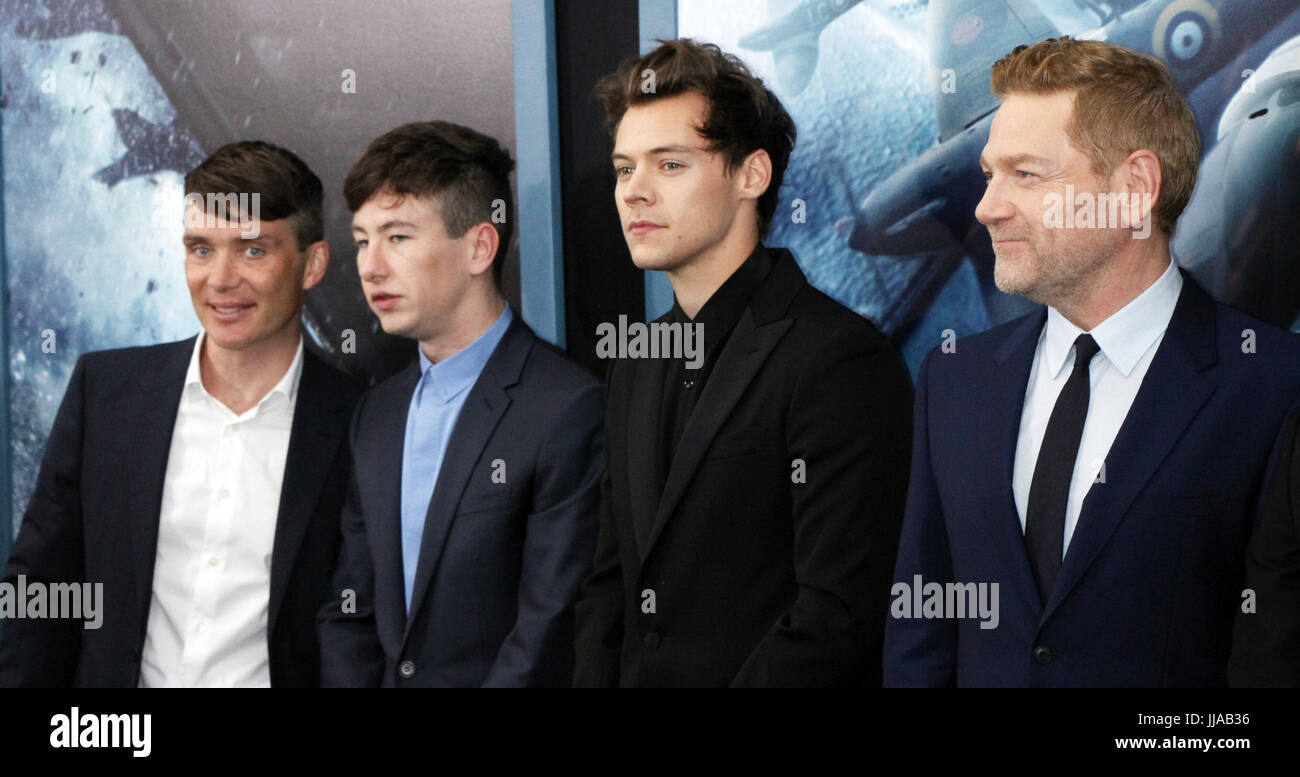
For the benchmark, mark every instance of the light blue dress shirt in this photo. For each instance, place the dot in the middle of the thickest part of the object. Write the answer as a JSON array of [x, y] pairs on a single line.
[[435, 406]]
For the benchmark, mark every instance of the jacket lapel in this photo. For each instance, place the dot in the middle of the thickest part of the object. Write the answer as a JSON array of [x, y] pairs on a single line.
[[643, 446], [313, 441], [1000, 433], [152, 418], [386, 497], [760, 328], [483, 409], [1174, 390]]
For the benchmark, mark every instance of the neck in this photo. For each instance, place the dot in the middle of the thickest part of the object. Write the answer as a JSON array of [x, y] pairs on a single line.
[[1117, 283], [695, 280], [468, 324], [239, 379]]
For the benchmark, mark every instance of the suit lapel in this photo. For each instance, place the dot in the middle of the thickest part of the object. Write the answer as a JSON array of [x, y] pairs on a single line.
[[386, 495], [745, 351], [1000, 434], [313, 441], [483, 409], [151, 416], [1174, 390], [643, 446]]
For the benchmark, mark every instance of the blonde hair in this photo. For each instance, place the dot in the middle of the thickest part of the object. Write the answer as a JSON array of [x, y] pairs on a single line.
[[1124, 100]]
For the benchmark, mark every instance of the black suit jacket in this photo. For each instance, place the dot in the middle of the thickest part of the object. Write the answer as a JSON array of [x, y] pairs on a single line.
[[94, 518], [508, 536], [750, 577], [1266, 640]]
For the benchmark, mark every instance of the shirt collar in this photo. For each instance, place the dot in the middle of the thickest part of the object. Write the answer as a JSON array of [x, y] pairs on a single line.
[[1127, 334], [445, 380], [723, 309], [286, 388]]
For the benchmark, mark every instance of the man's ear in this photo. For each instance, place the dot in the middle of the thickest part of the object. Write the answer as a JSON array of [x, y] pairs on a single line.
[[318, 260], [754, 175], [1140, 175], [483, 247]]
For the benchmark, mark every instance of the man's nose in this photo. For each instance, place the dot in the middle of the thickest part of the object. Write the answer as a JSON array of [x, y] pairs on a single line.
[[993, 207]]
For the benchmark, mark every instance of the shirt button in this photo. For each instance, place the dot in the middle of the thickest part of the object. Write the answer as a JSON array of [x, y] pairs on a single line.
[[212, 561], [223, 494], [202, 627], [406, 669]]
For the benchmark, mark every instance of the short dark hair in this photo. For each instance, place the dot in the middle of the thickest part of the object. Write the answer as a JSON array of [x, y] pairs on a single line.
[[285, 185], [744, 115], [464, 171]]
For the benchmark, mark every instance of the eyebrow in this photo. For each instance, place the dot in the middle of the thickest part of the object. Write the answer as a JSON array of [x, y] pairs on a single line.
[[1015, 159], [670, 149], [387, 225]]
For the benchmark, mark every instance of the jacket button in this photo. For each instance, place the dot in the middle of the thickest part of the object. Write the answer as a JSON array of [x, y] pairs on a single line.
[[651, 640], [1043, 655], [406, 669]]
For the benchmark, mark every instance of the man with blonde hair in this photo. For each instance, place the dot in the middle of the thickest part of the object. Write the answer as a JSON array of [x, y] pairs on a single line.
[[1095, 463]]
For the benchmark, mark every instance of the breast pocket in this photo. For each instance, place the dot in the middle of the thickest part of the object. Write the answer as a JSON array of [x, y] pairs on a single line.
[[739, 442], [491, 498]]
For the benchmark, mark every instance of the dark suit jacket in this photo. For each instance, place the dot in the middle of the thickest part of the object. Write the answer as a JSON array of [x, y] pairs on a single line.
[[1266, 640], [750, 577], [94, 518], [500, 563], [1153, 573]]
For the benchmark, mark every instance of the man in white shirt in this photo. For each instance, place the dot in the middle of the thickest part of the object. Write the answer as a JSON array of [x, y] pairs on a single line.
[[1091, 468], [199, 482]]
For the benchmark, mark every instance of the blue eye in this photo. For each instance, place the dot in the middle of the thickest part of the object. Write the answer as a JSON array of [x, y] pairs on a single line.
[[254, 251]]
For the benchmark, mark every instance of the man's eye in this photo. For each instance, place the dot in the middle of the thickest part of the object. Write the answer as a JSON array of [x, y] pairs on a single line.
[[622, 171], [254, 251], [200, 250], [399, 238], [672, 165], [1023, 174], [362, 243], [987, 176]]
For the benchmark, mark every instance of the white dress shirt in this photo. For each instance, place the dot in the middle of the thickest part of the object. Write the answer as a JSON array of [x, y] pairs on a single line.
[[1128, 341], [212, 571]]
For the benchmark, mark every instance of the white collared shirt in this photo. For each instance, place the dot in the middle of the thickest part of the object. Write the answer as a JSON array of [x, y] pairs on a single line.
[[1128, 340], [216, 529]]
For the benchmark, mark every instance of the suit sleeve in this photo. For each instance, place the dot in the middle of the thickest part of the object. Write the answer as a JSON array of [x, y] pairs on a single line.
[[1266, 642], [849, 422], [600, 609], [50, 549], [560, 538], [920, 651], [351, 654]]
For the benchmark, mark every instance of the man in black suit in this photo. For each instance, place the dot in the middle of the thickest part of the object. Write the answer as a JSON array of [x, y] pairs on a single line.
[[755, 492], [472, 512], [1266, 636], [198, 482]]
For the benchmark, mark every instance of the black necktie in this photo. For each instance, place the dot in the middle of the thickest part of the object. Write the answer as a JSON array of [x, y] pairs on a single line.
[[1050, 489]]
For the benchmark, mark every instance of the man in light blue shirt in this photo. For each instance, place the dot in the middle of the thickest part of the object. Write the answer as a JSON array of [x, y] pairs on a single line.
[[435, 406], [472, 510]]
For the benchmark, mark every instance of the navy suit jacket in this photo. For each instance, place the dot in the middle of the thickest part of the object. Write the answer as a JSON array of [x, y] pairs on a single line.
[[1154, 572], [94, 518], [500, 563]]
